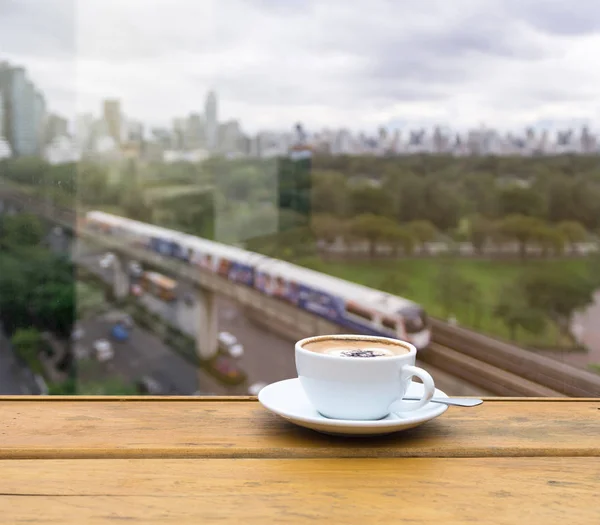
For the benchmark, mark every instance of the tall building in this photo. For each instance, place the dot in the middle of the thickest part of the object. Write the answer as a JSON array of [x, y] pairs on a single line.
[[84, 127], [23, 111], [5, 151], [212, 122], [179, 126], [112, 117], [229, 137], [1, 114], [40, 116], [194, 132], [55, 127]]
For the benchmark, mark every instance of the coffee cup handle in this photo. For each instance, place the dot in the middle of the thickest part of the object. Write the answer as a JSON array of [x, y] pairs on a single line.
[[406, 373]]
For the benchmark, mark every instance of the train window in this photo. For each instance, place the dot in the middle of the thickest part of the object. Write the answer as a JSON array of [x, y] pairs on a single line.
[[354, 309], [389, 323], [415, 319]]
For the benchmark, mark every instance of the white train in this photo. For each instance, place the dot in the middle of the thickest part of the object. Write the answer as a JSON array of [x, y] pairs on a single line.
[[354, 306]]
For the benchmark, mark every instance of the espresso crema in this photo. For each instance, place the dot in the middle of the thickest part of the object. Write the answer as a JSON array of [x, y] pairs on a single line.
[[355, 348]]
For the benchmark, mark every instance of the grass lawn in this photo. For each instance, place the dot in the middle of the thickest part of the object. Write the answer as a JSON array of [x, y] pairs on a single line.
[[415, 279]]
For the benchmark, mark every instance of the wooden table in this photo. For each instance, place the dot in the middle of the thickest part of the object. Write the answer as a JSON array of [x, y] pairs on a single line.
[[228, 460]]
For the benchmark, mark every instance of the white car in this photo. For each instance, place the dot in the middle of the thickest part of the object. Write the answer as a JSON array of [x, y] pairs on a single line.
[[236, 351], [103, 349], [77, 334], [254, 389], [107, 260], [135, 269], [227, 339]]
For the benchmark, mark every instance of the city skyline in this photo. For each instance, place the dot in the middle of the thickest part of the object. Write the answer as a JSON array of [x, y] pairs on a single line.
[[505, 64]]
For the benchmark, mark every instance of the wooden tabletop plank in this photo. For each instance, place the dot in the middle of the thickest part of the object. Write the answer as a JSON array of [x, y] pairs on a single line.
[[225, 428], [428, 491]]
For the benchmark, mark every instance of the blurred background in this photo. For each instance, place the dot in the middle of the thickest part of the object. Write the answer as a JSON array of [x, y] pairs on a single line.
[[186, 188]]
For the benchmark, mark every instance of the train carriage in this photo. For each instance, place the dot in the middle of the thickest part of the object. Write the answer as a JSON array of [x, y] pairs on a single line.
[[359, 308]]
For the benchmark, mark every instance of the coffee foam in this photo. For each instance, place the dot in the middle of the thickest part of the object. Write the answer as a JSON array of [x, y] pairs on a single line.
[[355, 348], [359, 352]]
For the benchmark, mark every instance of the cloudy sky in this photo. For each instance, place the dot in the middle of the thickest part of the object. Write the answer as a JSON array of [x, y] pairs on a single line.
[[353, 63]]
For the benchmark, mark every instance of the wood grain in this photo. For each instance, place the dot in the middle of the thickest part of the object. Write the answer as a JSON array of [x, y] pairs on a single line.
[[234, 429], [494, 491]]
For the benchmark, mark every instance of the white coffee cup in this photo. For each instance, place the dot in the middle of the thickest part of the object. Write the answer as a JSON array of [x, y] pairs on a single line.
[[361, 388]]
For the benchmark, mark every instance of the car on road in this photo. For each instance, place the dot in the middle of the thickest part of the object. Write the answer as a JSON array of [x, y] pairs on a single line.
[[236, 350], [120, 332], [229, 343], [149, 385], [103, 350], [107, 260], [227, 339], [135, 269], [77, 333]]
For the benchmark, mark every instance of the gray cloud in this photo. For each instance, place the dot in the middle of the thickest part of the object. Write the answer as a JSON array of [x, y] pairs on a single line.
[[42, 28], [558, 17], [335, 61]]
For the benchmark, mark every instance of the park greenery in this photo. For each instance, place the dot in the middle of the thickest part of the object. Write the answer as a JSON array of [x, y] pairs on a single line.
[[521, 220], [36, 286]]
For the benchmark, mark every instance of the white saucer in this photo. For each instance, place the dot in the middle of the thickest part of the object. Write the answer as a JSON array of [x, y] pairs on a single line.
[[288, 400]]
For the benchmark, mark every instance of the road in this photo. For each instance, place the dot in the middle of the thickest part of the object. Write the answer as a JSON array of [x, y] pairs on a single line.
[[267, 357], [14, 378], [146, 355]]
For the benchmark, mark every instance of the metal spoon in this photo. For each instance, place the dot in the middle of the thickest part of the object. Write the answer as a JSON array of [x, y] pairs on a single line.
[[454, 401]]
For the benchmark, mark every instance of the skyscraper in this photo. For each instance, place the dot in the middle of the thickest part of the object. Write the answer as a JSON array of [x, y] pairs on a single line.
[[112, 118], [55, 126], [23, 109], [194, 132], [39, 117], [1, 114], [212, 123]]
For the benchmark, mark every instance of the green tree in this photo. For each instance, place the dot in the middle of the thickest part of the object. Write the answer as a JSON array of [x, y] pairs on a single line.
[[370, 228], [573, 231], [558, 293], [36, 289], [408, 194], [515, 312], [480, 195], [20, 230], [517, 200], [367, 199], [329, 193], [479, 231], [399, 237], [442, 206], [26, 342], [521, 229], [550, 240], [328, 227], [52, 305], [423, 231]]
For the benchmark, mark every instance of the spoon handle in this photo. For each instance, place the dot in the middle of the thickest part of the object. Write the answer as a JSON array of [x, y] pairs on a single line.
[[454, 401]]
